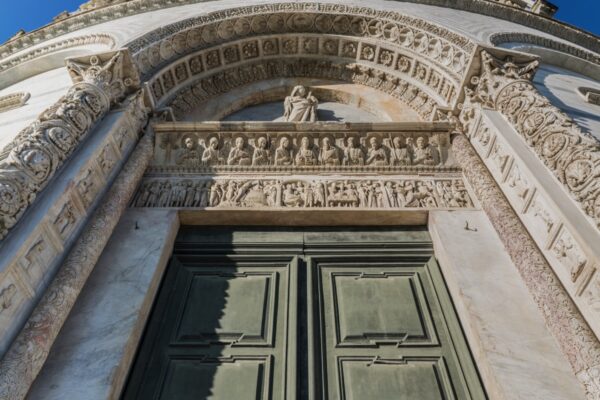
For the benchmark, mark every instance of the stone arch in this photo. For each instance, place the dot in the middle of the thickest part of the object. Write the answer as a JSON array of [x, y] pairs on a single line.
[[412, 60]]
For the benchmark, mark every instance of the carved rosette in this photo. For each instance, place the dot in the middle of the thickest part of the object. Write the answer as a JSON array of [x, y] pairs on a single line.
[[36, 154], [572, 155]]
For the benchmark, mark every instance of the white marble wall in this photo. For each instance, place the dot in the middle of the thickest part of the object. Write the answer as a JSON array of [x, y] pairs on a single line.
[[92, 355], [516, 355]]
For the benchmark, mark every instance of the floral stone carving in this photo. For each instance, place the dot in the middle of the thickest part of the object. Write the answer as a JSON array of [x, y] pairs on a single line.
[[38, 152]]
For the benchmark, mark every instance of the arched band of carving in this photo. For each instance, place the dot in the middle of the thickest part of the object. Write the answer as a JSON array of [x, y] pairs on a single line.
[[438, 46], [498, 39], [133, 7], [204, 89]]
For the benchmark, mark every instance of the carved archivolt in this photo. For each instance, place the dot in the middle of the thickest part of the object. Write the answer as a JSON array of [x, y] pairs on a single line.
[[277, 192], [125, 8], [440, 46], [29, 162], [527, 38], [205, 89]]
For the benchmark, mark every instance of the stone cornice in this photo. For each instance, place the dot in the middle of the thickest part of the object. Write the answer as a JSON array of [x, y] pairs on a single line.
[[38, 152], [485, 7]]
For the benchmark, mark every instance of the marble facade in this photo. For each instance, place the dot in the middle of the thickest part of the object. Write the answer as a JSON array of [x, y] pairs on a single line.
[[468, 144]]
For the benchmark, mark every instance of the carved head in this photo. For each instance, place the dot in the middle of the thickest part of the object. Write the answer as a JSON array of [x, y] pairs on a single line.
[[397, 142], [189, 143], [351, 141], [213, 143], [284, 143], [374, 143], [262, 142], [239, 142], [326, 143], [305, 143], [421, 142]]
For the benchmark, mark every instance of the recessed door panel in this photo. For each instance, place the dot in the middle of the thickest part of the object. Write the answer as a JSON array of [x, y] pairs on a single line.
[[244, 316], [313, 314]]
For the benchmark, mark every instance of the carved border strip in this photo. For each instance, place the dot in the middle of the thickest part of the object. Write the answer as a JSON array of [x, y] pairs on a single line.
[[484, 7], [405, 34], [187, 99], [34, 257], [24, 360], [369, 192], [565, 322], [372, 57], [38, 152], [573, 262], [570, 154]]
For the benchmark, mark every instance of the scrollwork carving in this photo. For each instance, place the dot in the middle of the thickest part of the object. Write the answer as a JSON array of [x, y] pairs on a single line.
[[37, 152], [570, 154]]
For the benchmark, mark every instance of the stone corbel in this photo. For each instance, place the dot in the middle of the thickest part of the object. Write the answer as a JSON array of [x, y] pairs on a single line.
[[30, 161]]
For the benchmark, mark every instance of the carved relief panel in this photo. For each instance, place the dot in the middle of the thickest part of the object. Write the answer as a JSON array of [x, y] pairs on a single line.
[[284, 148]]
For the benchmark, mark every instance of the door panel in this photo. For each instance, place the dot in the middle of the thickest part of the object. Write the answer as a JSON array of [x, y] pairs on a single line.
[[311, 313], [382, 332], [226, 321]]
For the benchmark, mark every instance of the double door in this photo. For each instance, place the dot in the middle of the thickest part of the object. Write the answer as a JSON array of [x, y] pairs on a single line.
[[303, 314]]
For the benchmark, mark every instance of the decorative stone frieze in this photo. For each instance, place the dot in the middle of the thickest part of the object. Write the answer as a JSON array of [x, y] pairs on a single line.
[[370, 192], [565, 321], [14, 100], [396, 33], [121, 9], [315, 148], [29, 162], [572, 155], [570, 253], [206, 88], [28, 352]]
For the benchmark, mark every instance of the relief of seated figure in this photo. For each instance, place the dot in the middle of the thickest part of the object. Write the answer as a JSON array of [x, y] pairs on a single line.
[[300, 106], [329, 154], [261, 155], [353, 154], [211, 155], [400, 154], [376, 155], [283, 154], [424, 153], [190, 156], [306, 155], [239, 155]]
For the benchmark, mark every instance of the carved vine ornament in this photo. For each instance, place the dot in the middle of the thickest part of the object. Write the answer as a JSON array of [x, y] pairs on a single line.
[[29, 162], [572, 155]]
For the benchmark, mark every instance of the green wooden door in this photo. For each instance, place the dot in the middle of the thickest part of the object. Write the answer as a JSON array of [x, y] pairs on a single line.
[[303, 313]]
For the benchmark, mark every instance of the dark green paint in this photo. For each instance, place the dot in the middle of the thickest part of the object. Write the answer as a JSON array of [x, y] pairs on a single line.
[[303, 313]]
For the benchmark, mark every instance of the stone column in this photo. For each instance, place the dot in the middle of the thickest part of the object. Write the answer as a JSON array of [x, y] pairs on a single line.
[[29, 351], [37, 153], [565, 322]]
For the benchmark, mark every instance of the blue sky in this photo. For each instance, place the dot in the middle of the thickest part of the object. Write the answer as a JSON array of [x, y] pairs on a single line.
[[32, 14]]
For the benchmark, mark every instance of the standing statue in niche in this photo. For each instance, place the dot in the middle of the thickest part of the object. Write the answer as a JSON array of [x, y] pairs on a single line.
[[300, 106]]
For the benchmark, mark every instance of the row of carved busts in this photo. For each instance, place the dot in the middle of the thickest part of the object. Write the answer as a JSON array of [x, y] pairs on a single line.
[[408, 193], [308, 150]]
